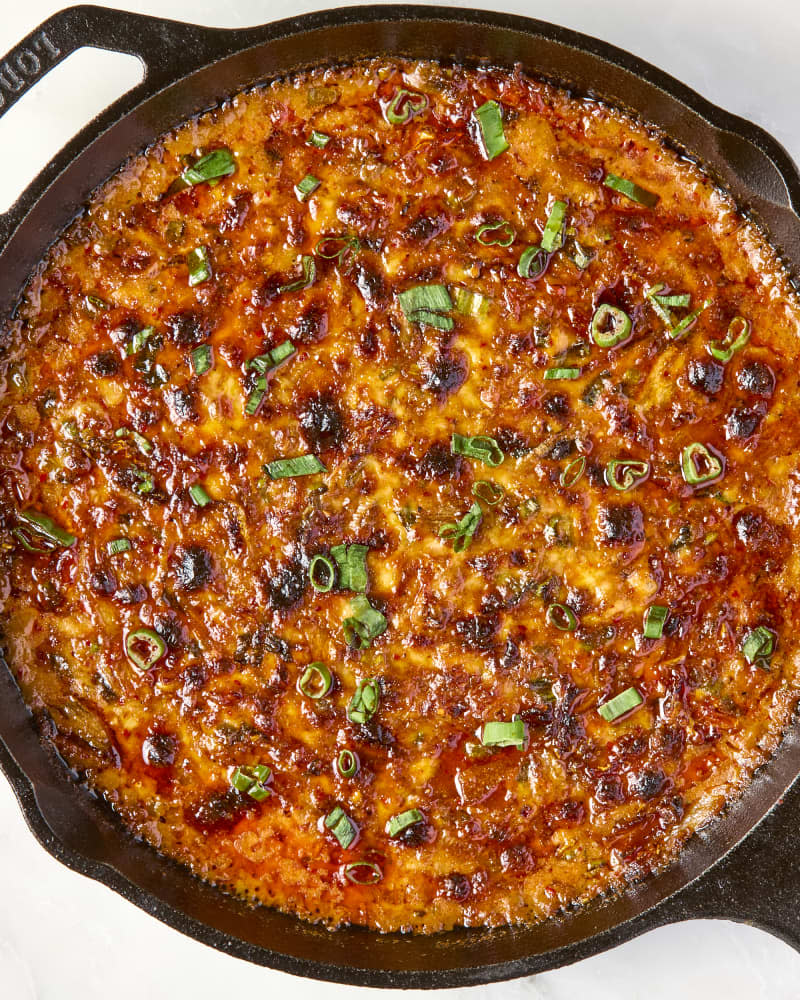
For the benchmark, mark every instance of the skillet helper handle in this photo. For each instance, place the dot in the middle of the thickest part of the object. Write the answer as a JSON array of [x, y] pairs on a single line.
[[756, 883]]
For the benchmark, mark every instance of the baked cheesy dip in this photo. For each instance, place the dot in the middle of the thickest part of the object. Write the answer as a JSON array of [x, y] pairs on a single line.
[[399, 495]]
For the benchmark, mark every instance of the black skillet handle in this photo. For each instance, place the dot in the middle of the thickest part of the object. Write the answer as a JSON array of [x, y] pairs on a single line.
[[167, 50], [756, 883]]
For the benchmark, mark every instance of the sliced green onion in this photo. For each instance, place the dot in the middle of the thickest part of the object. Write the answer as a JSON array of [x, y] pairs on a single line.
[[484, 448], [306, 187], [364, 623], [404, 106], [316, 681], [199, 266], [610, 326], [699, 465], [202, 359], [138, 340], [469, 303], [532, 262], [427, 304], [625, 473], [461, 532], [286, 468], [352, 563], [199, 496], [337, 248], [573, 472], [144, 648], [489, 492], [654, 618], [490, 125], [318, 139], [141, 442], [736, 338], [758, 646], [552, 236], [613, 709], [631, 190], [504, 734], [256, 396], [561, 617], [365, 701], [265, 362], [146, 482], [47, 528], [322, 574], [347, 763], [402, 821], [252, 781], [211, 167], [308, 279], [117, 545], [363, 873], [25, 538], [581, 257], [341, 826], [688, 321], [569, 374], [495, 234], [661, 308], [94, 304]]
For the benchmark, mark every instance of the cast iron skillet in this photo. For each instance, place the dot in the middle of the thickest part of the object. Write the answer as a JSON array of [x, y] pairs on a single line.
[[745, 865]]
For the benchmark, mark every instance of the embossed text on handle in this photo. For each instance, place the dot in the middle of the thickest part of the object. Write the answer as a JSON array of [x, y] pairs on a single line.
[[23, 67]]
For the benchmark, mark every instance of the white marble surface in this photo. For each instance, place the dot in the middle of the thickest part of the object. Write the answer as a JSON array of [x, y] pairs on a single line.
[[63, 937]]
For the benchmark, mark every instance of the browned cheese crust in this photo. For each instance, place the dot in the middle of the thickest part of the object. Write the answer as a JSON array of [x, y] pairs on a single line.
[[106, 425]]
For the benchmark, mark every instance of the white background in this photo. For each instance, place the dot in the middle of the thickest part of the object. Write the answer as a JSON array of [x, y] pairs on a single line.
[[63, 937]]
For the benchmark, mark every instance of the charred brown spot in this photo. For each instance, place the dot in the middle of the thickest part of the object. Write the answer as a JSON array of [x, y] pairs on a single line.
[[286, 586], [192, 568], [183, 405], [218, 812], [104, 364], [706, 376], [477, 631], [371, 285], [757, 378], [159, 749], [187, 328], [742, 422], [235, 213], [446, 374], [438, 463], [321, 422], [621, 524], [311, 326]]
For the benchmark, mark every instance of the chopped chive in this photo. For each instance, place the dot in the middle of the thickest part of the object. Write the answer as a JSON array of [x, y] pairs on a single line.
[[624, 473], [484, 448], [661, 308], [461, 532], [495, 234], [146, 483], [758, 646], [252, 781], [490, 126], [308, 279], [562, 373], [736, 338], [490, 492], [610, 326], [699, 464], [94, 304], [402, 821], [341, 826], [322, 574], [347, 763], [532, 262], [199, 496], [364, 873], [364, 623], [561, 617], [214, 165], [306, 187], [338, 248], [117, 545], [141, 442], [624, 702], [631, 190], [687, 322], [469, 303], [138, 340], [552, 236], [654, 618], [573, 472], [352, 563], [199, 266], [46, 528], [504, 734], [266, 362], [404, 106], [439, 321], [286, 468], [318, 139], [364, 703], [144, 648], [316, 681], [256, 396], [202, 359]]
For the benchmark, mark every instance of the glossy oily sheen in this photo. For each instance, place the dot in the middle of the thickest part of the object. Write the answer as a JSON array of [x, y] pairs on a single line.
[[529, 609]]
